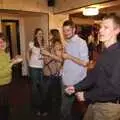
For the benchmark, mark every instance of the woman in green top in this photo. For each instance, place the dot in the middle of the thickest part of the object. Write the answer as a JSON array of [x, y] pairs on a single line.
[[5, 78]]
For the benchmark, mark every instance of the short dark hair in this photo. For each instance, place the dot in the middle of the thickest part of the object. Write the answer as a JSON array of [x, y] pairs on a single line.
[[114, 17], [69, 23]]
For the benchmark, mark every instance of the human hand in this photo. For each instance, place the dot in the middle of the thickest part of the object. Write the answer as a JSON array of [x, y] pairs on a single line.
[[65, 56], [91, 65], [70, 90], [59, 53], [80, 96], [17, 59], [45, 52]]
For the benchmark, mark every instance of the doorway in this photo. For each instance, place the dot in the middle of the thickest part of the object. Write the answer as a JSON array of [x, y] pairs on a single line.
[[10, 29]]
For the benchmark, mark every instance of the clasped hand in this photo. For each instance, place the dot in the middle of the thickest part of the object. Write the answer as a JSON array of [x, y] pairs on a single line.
[[71, 90]]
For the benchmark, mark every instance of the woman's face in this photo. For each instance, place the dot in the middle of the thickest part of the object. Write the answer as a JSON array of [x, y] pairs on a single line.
[[58, 49], [39, 34], [2, 44], [57, 46]]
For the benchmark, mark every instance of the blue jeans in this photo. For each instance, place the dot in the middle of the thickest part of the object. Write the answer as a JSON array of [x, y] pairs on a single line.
[[36, 76]]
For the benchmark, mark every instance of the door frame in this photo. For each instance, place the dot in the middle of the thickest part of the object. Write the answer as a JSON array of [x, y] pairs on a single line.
[[17, 32]]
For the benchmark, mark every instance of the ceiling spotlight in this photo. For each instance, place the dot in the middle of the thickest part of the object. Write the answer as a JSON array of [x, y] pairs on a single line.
[[90, 11]]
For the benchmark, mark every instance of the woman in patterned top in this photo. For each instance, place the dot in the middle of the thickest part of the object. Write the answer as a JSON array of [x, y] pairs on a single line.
[[52, 68]]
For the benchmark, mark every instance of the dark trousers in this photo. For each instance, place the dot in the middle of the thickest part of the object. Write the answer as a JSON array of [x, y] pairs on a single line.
[[66, 107], [67, 111], [4, 102], [53, 95], [36, 76]]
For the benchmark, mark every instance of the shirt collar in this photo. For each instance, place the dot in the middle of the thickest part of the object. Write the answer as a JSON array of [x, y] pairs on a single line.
[[113, 46], [73, 38]]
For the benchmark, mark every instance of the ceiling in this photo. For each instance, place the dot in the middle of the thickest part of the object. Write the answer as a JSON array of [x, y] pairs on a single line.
[[111, 7]]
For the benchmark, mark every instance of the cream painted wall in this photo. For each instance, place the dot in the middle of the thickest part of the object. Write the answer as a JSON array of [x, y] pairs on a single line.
[[22, 35], [30, 24], [56, 21], [63, 5], [25, 5], [84, 21], [27, 25]]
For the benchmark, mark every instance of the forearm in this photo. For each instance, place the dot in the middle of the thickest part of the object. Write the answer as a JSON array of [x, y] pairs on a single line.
[[12, 62], [85, 84], [17, 59], [55, 57], [78, 61], [29, 52]]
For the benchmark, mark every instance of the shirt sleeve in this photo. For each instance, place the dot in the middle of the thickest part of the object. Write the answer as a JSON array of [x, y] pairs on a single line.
[[84, 51], [88, 82]]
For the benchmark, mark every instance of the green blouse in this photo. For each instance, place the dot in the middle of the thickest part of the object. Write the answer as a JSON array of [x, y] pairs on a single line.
[[5, 69]]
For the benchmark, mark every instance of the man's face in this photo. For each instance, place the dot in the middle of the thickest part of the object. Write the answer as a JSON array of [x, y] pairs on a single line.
[[68, 32], [108, 30]]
